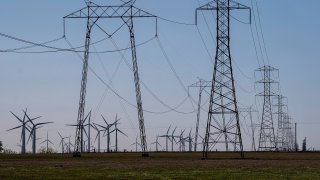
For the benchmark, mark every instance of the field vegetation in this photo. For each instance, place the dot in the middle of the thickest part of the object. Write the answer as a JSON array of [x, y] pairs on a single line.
[[261, 165]]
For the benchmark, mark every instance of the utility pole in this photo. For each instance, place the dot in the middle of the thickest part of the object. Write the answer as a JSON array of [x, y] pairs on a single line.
[[201, 84], [126, 12], [295, 137], [267, 141], [223, 115]]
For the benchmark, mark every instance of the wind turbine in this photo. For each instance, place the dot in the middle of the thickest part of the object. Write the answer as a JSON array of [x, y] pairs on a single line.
[[156, 143], [47, 141], [106, 131], [33, 132], [23, 131], [136, 143], [69, 144], [89, 126], [82, 148], [181, 141], [62, 143], [117, 130], [98, 134], [167, 137], [172, 136], [189, 140]]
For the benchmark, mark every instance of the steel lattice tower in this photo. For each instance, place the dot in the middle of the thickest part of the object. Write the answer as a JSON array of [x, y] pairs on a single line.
[[250, 110], [267, 141], [280, 105], [201, 84], [126, 12], [223, 115]]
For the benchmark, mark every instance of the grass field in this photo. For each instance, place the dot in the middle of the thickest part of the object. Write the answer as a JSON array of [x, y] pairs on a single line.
[[262, 165]]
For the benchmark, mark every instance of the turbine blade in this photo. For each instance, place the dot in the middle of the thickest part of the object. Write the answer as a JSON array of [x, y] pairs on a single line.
[[105, 120], [14, 128], [169, 129], [16, 116], [122, 133]]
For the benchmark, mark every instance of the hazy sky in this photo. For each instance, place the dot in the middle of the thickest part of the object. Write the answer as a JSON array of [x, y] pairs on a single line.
[[48, 84]]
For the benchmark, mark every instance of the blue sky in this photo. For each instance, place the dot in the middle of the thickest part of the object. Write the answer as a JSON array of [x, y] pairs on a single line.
[[48, 84]]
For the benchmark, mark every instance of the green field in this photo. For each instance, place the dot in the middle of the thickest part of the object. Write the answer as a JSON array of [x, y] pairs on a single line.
[[262, 165]]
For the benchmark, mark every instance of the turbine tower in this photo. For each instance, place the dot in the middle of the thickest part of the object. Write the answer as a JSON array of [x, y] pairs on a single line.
[[223, 126]]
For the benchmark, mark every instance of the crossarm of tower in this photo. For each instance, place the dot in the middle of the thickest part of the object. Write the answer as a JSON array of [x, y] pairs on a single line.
[[213, 6], [95, 11], [271, 94]]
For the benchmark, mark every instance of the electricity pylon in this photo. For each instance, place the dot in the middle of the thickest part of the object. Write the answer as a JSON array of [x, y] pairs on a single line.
[[280, 105], [249, 112], [223, 115], [287, 132], [267, 141], [92, 13], [201, 84]]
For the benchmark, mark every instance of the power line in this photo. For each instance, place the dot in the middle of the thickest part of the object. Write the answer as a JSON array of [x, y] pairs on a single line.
[[129, 103], [149, 90], [175, 72], [206, 22], [257, 33], [205, 45], [262, 34], [175, 22], [56, 49], [31, 46]]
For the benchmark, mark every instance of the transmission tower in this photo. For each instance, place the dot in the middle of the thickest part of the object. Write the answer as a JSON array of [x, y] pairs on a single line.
[[201, 84], [92, 13], [280, 106], [249, 112], [223, 115], [267, 141]]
